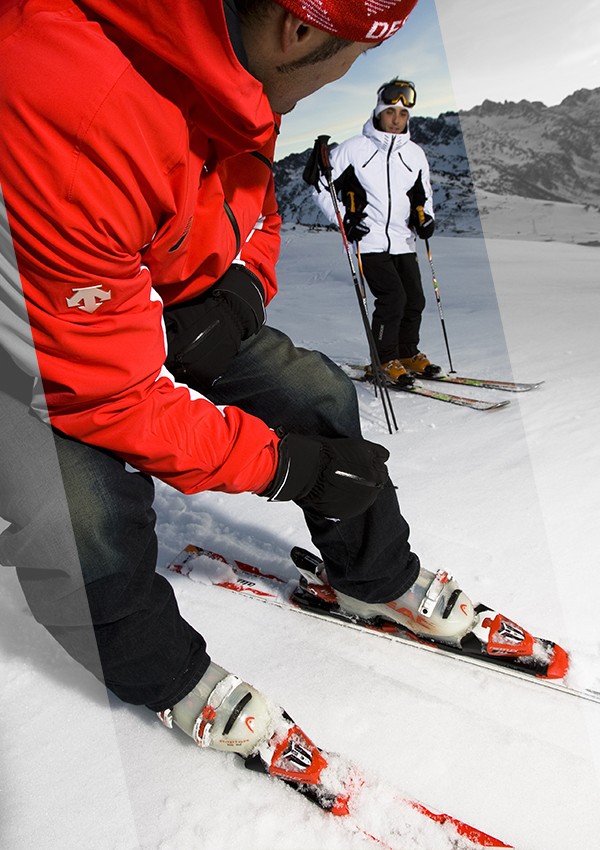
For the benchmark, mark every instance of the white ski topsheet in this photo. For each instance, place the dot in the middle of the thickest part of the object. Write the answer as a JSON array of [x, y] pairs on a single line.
[[509, 503], [209, 568]]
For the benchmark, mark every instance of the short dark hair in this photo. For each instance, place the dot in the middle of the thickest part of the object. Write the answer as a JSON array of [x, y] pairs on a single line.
[[328, 49], [251, 10], [256, 10]]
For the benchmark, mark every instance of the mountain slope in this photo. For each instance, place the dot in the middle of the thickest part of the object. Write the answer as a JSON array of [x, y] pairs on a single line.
[[520, 170], [534, 151]]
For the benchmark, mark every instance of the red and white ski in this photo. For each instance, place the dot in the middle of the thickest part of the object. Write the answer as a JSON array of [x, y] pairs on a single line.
[[543, 667], [368, 807], [364, 804]]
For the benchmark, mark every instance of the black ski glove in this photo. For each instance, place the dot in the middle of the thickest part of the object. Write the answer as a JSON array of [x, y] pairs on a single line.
[[354, 227], [420, 221], [205, 334], [339, 478]]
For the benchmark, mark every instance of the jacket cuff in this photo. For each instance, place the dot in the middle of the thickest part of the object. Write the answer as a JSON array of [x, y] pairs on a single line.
[[245, 294], [297, 469]]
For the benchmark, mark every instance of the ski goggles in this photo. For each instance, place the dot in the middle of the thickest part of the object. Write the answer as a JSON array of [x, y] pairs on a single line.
[[400, 91]]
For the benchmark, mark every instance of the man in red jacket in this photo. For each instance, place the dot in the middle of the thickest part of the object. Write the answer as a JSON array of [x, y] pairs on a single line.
[[139, 239]]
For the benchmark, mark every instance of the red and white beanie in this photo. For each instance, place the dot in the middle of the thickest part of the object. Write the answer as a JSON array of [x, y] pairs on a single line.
[[354, 20]]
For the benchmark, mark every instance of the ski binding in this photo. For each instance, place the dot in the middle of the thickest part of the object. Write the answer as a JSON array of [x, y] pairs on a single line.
[[493, 638], [209, 568]]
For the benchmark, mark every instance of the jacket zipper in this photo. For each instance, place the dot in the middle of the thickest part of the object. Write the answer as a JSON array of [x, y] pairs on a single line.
[[203, 334], [234, 224], [194, 343], [262, 158], [387, 224]]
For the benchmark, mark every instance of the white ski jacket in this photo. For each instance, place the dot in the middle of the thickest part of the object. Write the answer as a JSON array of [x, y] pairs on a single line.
[[387, 166]]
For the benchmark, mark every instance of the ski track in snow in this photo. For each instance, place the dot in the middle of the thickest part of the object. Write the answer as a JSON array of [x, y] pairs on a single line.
[[508, 501]]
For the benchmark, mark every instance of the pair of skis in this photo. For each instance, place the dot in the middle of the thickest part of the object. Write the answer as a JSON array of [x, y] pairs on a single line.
[[359, 373], [327, 779]]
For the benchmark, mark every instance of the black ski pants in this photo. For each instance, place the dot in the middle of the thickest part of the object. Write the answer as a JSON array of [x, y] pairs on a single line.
[[81, 527], [395, 281]]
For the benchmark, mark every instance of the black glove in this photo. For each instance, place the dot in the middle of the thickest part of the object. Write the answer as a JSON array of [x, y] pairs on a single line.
[[354, 227], [420, 221], [339, 478], [205, 334]]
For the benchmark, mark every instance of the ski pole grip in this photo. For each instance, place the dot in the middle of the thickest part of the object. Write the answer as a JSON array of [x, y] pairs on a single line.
[[317, 164], [323, 153]]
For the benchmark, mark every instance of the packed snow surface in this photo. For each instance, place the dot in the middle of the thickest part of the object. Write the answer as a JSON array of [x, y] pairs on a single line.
[[508, 501]]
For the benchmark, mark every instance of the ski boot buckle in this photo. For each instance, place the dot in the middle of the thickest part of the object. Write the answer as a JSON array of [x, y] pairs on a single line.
[[434, 591]]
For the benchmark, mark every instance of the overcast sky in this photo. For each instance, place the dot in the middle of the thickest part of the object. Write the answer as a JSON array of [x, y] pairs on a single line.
[[458, 53]]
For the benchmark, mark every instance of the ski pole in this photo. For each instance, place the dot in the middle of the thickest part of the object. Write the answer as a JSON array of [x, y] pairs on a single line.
[[375, 359], [363, 289], [363, 297], [439, 304], [380, 381]]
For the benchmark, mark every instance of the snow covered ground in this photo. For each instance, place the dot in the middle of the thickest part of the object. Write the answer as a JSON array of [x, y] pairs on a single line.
[[508, 501], [512, 217]]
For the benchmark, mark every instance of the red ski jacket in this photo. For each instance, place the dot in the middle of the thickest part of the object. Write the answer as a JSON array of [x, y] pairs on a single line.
[[135, 155]]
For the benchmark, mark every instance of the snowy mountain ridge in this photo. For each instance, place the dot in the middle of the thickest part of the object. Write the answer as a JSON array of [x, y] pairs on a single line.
[[513, 170]]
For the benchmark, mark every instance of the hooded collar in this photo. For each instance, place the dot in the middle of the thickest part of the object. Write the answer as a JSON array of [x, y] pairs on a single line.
[[201, 40], [235, 32], [384, 141]]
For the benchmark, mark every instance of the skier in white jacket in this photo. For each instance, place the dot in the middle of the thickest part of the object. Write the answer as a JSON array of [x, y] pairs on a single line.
[[382, 181]]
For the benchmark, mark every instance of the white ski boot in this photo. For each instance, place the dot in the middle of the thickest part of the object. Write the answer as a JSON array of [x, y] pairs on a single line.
[[434, 607], [224, 713]]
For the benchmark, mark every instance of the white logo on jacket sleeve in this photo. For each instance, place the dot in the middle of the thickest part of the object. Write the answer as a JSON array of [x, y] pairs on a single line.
[[88, 298]]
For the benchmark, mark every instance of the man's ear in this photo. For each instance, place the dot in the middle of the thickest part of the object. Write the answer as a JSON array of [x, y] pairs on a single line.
[[297, 37]]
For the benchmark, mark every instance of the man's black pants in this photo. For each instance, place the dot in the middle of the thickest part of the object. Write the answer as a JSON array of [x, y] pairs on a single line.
[[395, 281]]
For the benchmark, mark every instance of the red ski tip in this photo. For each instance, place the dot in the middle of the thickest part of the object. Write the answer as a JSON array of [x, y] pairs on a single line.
[[559, 665], [482, 839], [340, 806]]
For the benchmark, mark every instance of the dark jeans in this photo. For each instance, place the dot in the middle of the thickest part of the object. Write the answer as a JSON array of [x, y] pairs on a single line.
[[395, 281], [82, 527], [81, 536]]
